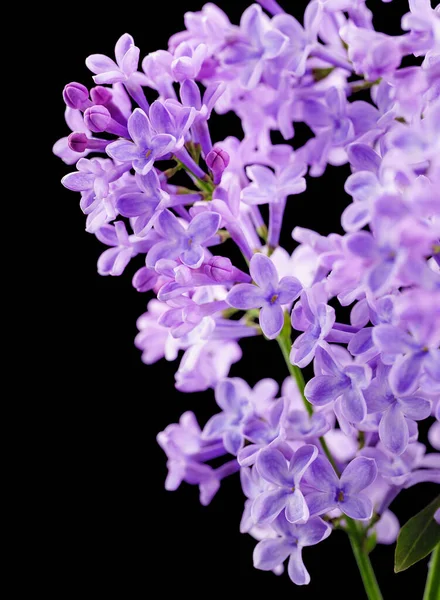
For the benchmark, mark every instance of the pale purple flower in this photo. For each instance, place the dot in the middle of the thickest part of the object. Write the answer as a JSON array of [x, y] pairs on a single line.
[[124, 247], [187, 61], [270, 553], [260, 42], [205, 363], [393, 425], [262, 430], [228, 425], [93, 179], [187, 453], [268, 187], [146, 203], [382, 260], [347, 381], [146, 147], [185, 314], [178, 242], [316, 318], [344, 493], [409, 355], [298, 425], [373, 54], [285, 478], [107, 70], [269, 294]]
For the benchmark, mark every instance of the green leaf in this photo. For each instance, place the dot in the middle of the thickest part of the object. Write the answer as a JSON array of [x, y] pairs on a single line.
[[417, 538]]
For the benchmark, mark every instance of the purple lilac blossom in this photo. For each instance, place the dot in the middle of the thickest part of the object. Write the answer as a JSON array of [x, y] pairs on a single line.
[[269, 294], [375, 375]]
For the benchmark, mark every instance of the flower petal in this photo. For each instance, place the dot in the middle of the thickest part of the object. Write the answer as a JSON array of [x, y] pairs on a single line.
[[324, 389], [289, 288], [263, 271], [271, 553], [404, 374], [313, 532], [272, 466], [393, 430], [353, 404], [297, 510], [271, 320], [415, 407], [357, 507], [296, 568], [359, 474], [322, 476], [204, 226], [301, 461], [123, 150], [99, 63], [245, 296], [320, 503], [139, 128], [268, 505]]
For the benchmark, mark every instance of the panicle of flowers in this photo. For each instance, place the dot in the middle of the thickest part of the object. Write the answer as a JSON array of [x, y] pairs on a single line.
[[342, 447]]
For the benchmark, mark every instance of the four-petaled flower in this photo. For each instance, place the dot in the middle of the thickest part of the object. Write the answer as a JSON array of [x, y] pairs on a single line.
[[270, 553], [344, 493], [270, 294], [186, 244], [286, 477]]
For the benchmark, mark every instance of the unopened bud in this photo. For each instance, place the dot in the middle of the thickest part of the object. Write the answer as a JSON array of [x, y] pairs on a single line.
[[217, 161], [219, 268], [76, 95], [77, 142], [97, 118], [100, 95]]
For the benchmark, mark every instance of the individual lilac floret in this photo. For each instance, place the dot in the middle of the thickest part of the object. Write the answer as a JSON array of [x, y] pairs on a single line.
[[114, 260], [437, 516], [188, 61], [147, 203], [146, 147], [228, 425], [186, 454], [270, 553], [410, 355], [299, 425], [286, 477], [186, 244], [346, 382], [319, 319], [393, 425], [270, 294], [344, 493], [268, 187], [260, 42], [107, 70]]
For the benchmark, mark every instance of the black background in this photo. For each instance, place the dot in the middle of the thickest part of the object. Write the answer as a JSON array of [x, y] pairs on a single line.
[[109, 527]]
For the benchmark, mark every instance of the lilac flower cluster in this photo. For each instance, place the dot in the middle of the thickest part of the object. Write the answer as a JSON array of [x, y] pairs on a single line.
[[342, 447]]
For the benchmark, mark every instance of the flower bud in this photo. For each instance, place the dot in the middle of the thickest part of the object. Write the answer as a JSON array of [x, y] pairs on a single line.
[[217, 161], [77, 141], [100, 95], [97, 118], [219, 268], [76, 95]]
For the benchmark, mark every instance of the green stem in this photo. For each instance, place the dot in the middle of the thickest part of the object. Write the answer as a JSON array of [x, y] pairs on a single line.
[[432, 589], [369, 580]]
